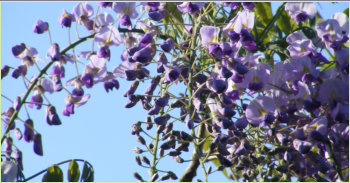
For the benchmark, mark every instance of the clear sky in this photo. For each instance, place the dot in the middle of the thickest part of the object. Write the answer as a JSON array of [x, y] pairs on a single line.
[[99, 131]]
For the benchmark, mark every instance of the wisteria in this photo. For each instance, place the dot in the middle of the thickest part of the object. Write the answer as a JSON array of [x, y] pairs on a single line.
[[264, 97]]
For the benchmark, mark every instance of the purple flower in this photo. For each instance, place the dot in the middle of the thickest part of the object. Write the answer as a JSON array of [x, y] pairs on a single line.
[[146, 39], [40, 27], [18, 133], [232, 5], [17, 103], [8, 146], [17, 154], [18, 49], [68, 109], [88, 80], [157, 15], [51, 116], [154, 110], [258, 108], [225, 124], [126, 8], [145, 54], [162, 101], [167, 45], [241, 122], [66, 19], [299, 45], [126, 21], [105, 4], [54, 52], [82, 11], [109, 35], [227, 112], [38, 147], [215, 50], [104, 19], [247, 40], [189, 124], [209, 35], [225, 73], [301, 11], [131, 89], [19, 70], [302, 146], [28, 130], [218, 85], [104, 52], [256, 78], [57, 83], [4, 71], [248, 5], [201, 78], [172, 73], [36, 100], [161, 120], [191, 8], [243, 20], [343, 21], [110, 84], [333, 90], [58, 70]]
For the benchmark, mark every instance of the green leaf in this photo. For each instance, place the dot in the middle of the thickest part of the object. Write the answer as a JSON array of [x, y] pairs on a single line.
[[263, 12], [53, 174], [174, 16], [73, 171], [217, 164], [88, 174], [283, 22], [207, 142], [346, 12]]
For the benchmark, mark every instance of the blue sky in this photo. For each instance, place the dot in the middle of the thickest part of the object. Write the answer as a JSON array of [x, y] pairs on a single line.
[[99, 131]]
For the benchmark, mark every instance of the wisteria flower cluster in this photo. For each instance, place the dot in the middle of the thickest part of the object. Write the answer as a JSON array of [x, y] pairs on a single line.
[[264, 98]]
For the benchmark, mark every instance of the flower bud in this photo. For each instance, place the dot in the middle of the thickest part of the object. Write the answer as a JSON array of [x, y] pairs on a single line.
[[38, 147], [141, 140], [138, 176], [4, 71], [28, 130], [138, 160], [167, 45], [18, 134], [145, 160]]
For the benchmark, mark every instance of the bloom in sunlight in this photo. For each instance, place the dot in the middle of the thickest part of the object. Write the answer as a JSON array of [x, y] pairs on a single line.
[[301, 11]]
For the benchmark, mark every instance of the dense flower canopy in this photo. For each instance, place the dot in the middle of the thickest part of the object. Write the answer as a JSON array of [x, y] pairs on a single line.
[[266, 102]]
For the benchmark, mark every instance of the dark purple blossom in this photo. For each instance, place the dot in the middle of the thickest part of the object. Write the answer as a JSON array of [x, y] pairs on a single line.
[[68, 109], [66, 19], [19, 70], [126, 21], [40, 27], [52, 117], [28, 130], [248, 5], [18, 49], [167, 45], [38, 147]]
